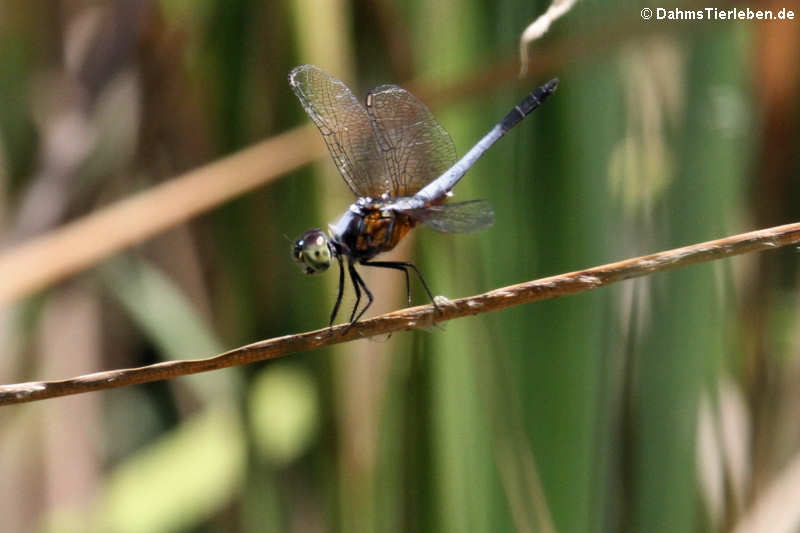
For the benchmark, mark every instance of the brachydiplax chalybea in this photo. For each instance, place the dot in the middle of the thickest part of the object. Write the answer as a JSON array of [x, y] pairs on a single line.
[[400, 163]]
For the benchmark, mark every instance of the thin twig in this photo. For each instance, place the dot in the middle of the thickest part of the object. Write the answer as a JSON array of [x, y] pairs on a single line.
[[415, 317]]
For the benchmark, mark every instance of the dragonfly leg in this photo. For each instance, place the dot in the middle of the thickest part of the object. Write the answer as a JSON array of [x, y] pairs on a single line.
[[395, 266], [402, 265], [358, 281], [341, 291]]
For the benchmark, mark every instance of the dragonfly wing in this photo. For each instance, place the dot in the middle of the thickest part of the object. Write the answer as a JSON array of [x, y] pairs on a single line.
[[345, 127], [415, 147], [460, 217]]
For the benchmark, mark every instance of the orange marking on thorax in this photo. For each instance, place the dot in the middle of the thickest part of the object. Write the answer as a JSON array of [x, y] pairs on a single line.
[[383, 232]]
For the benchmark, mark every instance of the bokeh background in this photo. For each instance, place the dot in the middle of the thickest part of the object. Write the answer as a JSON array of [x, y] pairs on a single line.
[[668, 403]]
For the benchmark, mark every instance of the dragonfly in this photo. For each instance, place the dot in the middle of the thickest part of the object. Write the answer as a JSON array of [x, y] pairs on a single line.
[[401, 165]]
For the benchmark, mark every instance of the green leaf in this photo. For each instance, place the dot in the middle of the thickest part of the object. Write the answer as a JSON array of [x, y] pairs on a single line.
[[284, 412], [181, 480]]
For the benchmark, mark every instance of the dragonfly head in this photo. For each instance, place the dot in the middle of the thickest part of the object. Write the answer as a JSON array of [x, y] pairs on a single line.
[[312, 251]]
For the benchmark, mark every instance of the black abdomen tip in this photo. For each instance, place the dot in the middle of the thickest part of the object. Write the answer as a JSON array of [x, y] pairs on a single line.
[[541, 93], [550, 86], [531, 102]]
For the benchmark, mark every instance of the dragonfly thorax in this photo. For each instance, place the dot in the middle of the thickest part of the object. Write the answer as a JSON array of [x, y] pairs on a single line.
[[368, 228]]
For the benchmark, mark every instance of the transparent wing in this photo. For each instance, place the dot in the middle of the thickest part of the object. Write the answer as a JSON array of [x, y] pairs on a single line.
[[461, 217], [345, 127], [414, 146]]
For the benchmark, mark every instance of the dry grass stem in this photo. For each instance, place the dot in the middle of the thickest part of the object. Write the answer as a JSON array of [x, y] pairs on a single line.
[[539, 27], [44, 260]]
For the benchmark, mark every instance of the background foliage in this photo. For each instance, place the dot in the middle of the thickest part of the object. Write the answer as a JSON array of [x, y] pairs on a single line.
[[661, 404]]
